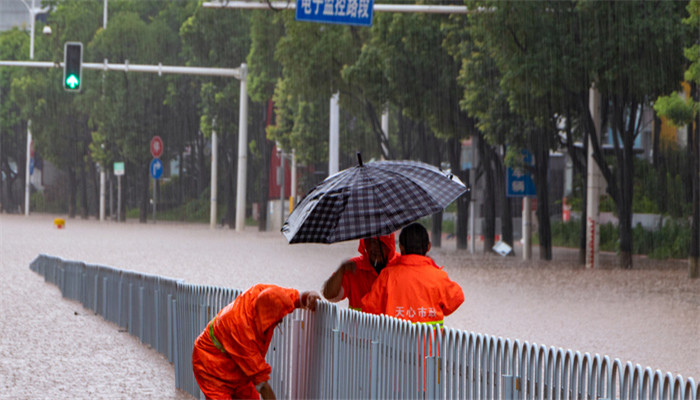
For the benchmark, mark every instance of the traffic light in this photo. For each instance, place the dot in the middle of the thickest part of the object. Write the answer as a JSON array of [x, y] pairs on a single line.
[[72, 66]]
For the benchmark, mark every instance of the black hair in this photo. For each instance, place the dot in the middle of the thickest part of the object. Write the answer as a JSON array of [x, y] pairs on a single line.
[[414, 239]]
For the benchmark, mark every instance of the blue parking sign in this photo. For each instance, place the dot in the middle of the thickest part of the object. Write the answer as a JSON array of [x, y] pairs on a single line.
[[156, 168], [519, 182], [345, 12]]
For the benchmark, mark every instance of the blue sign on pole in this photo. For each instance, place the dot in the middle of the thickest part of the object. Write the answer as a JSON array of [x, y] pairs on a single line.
[[345, 12], [156, 168], [519, 182]]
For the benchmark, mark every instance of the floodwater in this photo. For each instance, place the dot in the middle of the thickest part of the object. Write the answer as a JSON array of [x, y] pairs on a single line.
[[51, 347]]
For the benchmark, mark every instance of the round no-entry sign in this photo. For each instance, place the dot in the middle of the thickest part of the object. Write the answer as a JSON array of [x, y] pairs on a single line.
[[156, 146]]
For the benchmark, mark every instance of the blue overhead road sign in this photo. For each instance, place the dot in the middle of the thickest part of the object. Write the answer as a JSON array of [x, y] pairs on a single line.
[[519, 182], [345, 12]]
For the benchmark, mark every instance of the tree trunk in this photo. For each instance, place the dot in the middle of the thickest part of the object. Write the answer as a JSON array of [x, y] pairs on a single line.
[[84, 207], [201, 168], [486, 155], [230, 178], [694, 256], [181, 179], [72, 183], [144, 203], [453, 147], [506, 208], [2, 169], [95, 178], [376, 125], [120, 205], [436, 239], [541, 183], [582, 230], [625, 159], [584, 208], [462, 220], [656, 138]]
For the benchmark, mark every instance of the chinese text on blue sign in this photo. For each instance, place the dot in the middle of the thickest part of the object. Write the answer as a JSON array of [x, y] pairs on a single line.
[[346, 12]]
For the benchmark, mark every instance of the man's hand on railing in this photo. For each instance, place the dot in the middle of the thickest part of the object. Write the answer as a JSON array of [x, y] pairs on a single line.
[[309, 299], [266, 391]]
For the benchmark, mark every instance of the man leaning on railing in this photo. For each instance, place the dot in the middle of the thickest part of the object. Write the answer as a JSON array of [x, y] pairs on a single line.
[[228, 359]]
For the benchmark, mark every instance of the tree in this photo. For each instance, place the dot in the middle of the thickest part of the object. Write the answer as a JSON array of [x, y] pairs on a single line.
[[497, 124], [59, 119], [133, 108], [221, 39], [405, 64], [680, 113], [549, 55], [13, 46], [517, 111]]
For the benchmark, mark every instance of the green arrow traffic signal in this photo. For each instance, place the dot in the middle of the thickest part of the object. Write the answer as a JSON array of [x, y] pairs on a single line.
[[72, 82], [72, 66]]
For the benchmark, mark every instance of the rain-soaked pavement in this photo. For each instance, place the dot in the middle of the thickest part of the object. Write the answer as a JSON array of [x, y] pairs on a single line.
[[51, 347]]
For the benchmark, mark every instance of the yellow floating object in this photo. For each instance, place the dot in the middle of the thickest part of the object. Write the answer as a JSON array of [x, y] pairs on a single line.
[[59, 222]]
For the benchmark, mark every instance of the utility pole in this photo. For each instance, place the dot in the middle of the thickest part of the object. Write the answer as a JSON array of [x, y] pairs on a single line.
[[593, 180], [334, 136]]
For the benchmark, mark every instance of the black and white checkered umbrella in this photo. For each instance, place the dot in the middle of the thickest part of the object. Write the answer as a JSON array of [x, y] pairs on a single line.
[[369, 200]]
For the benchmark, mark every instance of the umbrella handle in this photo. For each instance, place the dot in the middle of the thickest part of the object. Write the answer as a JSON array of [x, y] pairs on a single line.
[[359, 158]]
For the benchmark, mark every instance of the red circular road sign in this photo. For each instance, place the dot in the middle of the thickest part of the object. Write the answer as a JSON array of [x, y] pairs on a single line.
[[156, 146]]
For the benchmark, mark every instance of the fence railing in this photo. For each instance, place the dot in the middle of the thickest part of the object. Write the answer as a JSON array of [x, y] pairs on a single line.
[[337, 353]]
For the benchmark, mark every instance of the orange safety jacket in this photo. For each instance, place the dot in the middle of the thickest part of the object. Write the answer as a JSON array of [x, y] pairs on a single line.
[[414, 288], [229, 355], [358, 283]]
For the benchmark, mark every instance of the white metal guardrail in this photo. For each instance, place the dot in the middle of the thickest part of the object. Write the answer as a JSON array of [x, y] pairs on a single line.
[[337, 353]]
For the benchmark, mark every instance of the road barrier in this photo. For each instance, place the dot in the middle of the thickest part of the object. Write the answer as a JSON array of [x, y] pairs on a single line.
[[337, 353]]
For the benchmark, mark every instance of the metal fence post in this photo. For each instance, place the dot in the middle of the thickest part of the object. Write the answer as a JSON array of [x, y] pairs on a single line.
[[130, 319], [296, 331], [104, 297], [336, 362], [156, 304], [94, 299], [176, 360], [119, 302], [374, 371], [171, 327], [141, 312]]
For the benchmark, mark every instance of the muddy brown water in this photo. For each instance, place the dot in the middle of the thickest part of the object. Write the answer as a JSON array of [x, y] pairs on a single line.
[[51, 347]]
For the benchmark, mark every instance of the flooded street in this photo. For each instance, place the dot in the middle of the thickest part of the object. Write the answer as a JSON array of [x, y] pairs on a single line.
[[54, 348]]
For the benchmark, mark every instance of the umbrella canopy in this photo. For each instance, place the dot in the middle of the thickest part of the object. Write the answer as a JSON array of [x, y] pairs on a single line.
[[369, 200]]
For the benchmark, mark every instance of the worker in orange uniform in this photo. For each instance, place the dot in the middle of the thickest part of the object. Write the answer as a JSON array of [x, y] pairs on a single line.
[[354, 278], [229, 355], [413, 287]]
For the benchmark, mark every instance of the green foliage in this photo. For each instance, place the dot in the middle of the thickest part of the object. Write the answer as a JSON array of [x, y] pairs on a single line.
[[448, 226], [266, 29], [48, 201], [679, 111], [607, 204], [656, 190], [672, 240], [566, 234]]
